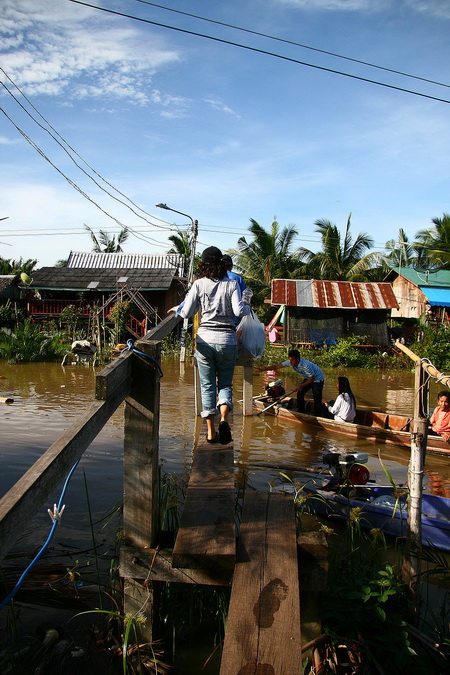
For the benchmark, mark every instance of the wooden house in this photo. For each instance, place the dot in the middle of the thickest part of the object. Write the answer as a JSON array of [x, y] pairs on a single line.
[[421, 293], [94, 282], [318, 312]]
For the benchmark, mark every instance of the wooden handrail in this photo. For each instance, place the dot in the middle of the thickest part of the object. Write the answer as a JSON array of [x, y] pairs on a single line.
[[427, 367], [114, 384]]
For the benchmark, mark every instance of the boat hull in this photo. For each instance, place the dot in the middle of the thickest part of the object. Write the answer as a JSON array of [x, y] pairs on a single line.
[[391, 519], [377, 434]]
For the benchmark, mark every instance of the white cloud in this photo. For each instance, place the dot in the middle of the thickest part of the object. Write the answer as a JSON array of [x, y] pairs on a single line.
[[223, 107], [75, 52], [439, 8]]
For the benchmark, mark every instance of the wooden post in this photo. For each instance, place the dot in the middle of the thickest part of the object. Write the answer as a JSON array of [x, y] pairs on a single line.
[[141, 454], [411, 566], [247, 389]]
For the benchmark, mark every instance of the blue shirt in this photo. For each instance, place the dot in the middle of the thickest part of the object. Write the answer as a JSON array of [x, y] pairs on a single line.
[[306, 369], [240, 282]]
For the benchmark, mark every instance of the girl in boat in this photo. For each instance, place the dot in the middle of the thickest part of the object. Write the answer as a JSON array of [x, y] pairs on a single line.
[[344, 407], [440, 419]]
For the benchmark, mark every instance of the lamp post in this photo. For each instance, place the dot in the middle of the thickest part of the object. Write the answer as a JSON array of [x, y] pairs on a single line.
[[193, 244]]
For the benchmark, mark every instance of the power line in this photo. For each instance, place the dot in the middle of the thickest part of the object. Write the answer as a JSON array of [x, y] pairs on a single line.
[[73, 184], [72, 158], [261, 51], [295, 44]]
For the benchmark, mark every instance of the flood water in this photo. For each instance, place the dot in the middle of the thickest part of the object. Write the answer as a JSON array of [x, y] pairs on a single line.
[[48, 397]]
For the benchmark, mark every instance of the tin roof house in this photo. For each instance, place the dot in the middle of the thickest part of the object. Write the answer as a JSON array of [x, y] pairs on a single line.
[[153, 284], [319, 312], [421, 293]]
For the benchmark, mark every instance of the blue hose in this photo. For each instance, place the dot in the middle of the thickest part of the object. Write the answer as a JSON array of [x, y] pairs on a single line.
[[130, 347], [40, 553]]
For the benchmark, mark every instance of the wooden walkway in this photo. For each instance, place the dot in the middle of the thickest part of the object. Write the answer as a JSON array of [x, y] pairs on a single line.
[[258, 559], [263, 626]]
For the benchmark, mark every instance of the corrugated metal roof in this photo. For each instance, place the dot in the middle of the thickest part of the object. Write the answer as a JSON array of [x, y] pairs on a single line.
[[435, 278], [80, 279], [333, 294], [126, 261]]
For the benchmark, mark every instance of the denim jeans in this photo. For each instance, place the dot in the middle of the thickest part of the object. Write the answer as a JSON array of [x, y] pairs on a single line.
[[215, 369], [317, 388]]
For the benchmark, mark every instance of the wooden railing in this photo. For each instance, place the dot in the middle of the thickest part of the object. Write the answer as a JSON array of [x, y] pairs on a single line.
[[132, 378]]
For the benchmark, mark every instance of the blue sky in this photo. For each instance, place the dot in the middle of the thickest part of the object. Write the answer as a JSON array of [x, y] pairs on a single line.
[[221, 133]]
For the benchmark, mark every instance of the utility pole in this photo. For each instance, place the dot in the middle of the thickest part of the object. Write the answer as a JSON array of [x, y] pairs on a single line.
[[190, 276]]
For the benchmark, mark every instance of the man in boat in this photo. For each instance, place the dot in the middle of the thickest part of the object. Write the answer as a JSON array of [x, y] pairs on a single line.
[[313, 379], [440, 419]]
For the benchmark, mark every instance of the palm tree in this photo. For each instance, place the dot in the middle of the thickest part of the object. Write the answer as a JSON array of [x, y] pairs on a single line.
[[182, 245], [105, 243], [268, 256], [339, 260], [434, 243], [9, 266]]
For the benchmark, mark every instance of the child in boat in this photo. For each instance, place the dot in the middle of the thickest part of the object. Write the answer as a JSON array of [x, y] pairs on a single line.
[[344, 407], [440, 419]]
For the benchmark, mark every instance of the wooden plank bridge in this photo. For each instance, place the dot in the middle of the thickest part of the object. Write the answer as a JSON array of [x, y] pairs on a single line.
[[258, 557]]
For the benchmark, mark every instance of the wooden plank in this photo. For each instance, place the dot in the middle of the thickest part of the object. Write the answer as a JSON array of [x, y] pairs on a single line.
[[263, 627], [206, 537], [141, 450], [159, 332], [156, 565], [116, 375], [26, 497]]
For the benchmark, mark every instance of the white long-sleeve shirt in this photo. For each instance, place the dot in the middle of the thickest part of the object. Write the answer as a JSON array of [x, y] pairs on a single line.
[[220, 302], [343, 408]]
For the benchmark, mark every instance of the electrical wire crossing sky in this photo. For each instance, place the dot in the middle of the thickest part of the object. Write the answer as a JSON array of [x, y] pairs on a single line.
[[287, 110]]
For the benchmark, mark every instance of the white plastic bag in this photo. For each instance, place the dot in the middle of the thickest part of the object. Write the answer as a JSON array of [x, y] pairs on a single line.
[[251, 336]]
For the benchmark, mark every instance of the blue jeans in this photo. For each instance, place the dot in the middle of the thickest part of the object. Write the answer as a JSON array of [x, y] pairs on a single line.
[[215, 369]]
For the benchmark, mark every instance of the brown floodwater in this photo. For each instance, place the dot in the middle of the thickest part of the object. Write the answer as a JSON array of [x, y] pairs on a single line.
[[49, 396]]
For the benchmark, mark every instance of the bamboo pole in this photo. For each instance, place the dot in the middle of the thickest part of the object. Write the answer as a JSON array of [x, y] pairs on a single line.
[[411, 563]]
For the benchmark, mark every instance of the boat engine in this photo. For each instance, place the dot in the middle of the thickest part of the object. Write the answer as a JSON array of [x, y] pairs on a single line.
[[275, 389], [348, 466]]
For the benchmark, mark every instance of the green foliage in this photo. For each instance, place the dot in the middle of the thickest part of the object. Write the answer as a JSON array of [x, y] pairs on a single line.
[[9, 315], [434, 346], [120, 314], [27, 343], [9, 266], [69, 317]]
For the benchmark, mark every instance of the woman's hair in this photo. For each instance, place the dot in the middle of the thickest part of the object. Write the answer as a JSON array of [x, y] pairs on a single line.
[[344, 388], [212, 270]]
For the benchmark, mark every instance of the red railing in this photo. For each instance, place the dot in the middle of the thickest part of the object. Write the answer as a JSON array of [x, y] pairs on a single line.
[[53, 308]]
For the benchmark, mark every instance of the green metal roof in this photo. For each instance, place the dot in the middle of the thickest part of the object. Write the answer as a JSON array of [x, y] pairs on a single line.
[[424, 278]]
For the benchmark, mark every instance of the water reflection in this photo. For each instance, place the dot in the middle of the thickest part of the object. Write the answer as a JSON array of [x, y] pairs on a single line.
[[48, 397]]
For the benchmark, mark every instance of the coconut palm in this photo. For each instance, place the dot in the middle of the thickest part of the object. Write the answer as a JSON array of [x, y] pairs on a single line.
[[339, 260], [105, 243], [434, 243], [182, 244], [9, 266], [268, 256]]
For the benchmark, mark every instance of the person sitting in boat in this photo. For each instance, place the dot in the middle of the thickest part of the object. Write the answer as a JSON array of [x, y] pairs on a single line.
[[440, 419], [344, 407], [313, 379]]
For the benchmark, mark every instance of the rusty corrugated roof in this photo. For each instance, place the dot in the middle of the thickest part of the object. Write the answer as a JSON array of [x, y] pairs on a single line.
[[333, 294]]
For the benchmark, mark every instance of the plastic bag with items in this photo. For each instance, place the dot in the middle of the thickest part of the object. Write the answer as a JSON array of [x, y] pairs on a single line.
[[251, 336]]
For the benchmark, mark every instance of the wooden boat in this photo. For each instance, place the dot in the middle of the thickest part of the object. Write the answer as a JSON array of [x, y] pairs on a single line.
[[379, 427], [381, 509]]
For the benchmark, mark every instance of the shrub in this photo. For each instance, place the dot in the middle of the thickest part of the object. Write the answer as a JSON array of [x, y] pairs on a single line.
[[27, 343]]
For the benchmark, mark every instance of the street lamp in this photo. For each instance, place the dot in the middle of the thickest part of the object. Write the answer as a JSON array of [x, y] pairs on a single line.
[[193, 244]]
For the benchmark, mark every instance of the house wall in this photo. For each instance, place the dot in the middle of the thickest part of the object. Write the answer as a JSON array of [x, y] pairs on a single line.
[[315, 325], [411, 300]]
